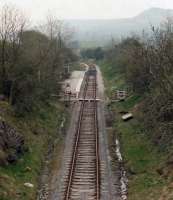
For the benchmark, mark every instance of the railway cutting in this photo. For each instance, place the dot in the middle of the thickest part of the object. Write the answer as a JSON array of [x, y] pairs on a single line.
[[86, 173]]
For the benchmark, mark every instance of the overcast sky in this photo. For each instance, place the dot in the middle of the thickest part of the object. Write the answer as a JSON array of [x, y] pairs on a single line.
[[87, 9]]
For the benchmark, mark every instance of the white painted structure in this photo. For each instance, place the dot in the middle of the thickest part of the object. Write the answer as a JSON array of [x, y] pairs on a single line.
[[121, 94], [127, 116]]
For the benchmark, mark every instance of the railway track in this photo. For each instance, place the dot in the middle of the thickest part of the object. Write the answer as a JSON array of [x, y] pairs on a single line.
[[83, 177]]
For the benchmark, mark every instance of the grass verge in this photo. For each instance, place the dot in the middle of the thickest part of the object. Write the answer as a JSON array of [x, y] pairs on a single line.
[[142, 159], [38, 129]]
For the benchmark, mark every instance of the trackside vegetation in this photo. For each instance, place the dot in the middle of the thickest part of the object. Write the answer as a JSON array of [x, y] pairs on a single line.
[[32, 64], [143, 67]]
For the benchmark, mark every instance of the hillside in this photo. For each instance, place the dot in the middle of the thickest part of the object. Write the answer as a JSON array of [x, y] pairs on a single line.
[[99, 32], [146, 140]]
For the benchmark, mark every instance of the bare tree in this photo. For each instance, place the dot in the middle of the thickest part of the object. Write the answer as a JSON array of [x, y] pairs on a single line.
[[12, 25]]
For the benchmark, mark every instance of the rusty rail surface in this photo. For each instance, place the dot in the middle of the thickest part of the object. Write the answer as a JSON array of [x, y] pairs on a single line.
[[83, 180]]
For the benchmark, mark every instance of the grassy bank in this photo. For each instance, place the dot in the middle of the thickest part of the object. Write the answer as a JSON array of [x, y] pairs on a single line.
[[38, 129], [142, 160], [113, 79]]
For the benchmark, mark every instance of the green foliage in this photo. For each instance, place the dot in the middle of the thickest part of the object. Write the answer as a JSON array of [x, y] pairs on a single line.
[[129, 102], [31, 61], [141, 158], [146, 66], [96, 53], [125, 58], [39, 129]]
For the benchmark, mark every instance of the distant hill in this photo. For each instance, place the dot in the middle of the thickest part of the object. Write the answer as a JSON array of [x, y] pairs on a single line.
[[99, 32]]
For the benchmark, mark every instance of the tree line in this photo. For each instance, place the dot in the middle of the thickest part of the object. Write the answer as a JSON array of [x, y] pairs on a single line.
[[147, 64], [31, 59], [92, 53]]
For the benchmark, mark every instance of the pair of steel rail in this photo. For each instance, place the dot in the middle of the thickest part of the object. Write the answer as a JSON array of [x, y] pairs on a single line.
[[73, 163]]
